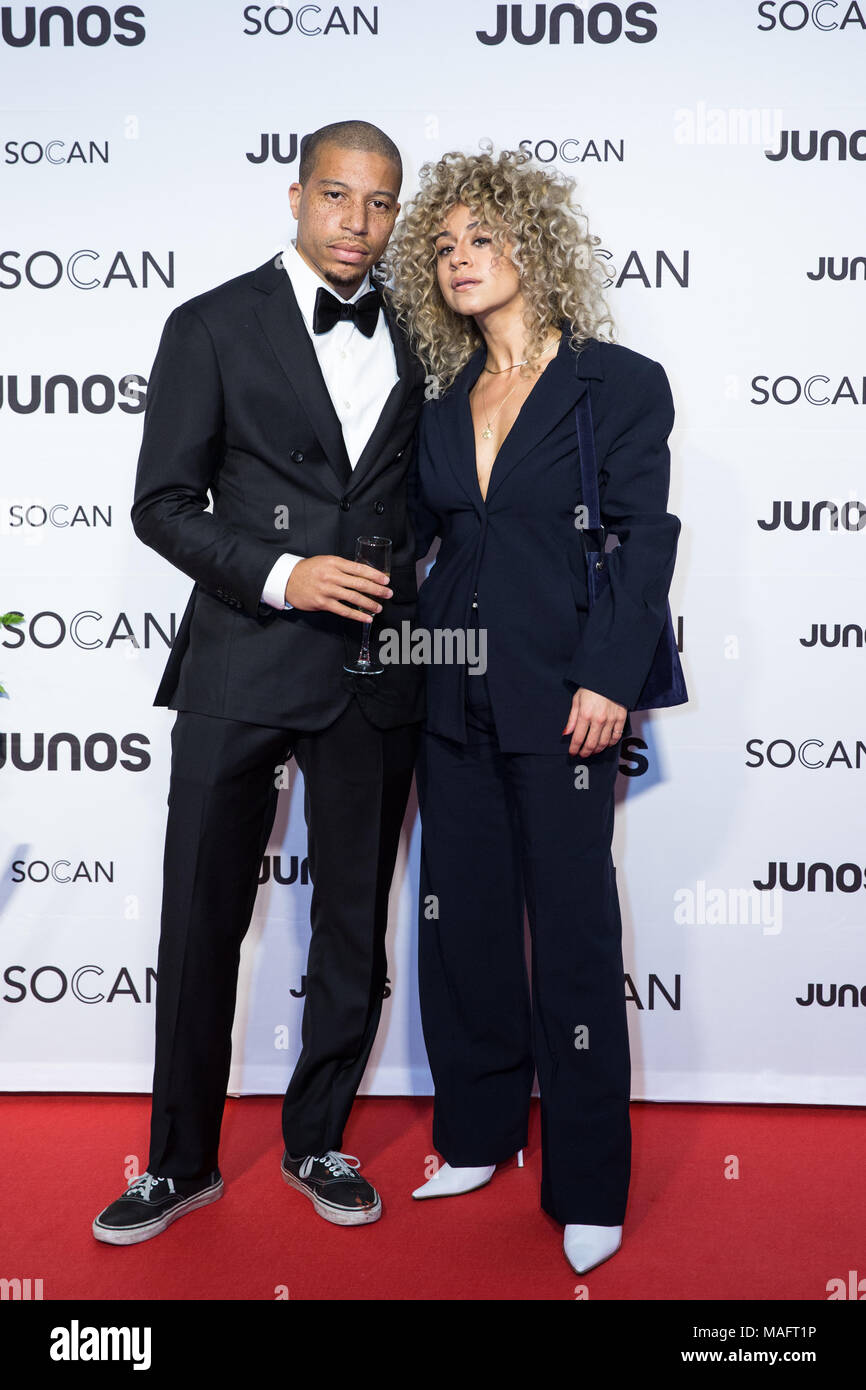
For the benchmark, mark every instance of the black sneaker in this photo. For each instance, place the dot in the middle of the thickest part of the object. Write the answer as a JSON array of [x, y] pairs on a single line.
[[334, 1186], [149, 1205]]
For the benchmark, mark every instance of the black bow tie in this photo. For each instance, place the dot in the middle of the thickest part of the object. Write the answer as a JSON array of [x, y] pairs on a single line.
[[330, 310]]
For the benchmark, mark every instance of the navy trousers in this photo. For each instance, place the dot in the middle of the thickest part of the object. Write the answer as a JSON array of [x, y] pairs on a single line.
[[500, 831]]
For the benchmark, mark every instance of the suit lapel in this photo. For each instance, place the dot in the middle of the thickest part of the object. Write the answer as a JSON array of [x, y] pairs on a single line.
[[283, 325], [557, 391], [460, 434]]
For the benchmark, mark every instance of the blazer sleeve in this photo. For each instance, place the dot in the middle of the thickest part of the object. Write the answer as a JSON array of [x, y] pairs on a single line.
[[426, 524], [181, 454], [624, 625]]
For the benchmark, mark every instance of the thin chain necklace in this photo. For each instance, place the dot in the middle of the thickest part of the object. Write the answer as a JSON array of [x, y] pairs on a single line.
[[487, 432], [497, 371]]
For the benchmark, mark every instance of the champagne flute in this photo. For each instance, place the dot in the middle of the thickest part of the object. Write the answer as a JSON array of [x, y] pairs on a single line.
[[376, 552]]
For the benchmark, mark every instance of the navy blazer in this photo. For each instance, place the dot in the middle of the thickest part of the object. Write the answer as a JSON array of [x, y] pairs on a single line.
[[520, 550]]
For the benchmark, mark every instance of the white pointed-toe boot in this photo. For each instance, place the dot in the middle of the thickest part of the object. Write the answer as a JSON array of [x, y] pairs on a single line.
[[587, 1246], [448, 1181]]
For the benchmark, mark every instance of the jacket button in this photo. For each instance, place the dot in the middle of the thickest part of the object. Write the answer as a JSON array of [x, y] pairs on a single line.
[[297, 456], [345, 504], [379, 508]]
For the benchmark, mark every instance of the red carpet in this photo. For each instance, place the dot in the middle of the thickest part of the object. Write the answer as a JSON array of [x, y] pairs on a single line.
[[793, 1220]]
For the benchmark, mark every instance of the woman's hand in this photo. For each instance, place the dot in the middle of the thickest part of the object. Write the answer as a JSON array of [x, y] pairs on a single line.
[[594, 723]]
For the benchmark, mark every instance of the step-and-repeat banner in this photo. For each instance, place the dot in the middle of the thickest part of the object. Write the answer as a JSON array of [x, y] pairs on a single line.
[[720, 154]]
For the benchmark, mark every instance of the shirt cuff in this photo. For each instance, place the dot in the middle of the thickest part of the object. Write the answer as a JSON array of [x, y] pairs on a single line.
[[274, 592]]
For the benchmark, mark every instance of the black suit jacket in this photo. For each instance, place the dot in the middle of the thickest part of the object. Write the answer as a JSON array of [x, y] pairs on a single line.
[[520, 549], [237, 406]]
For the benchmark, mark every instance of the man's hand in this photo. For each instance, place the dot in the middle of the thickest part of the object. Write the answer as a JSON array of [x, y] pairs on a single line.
[[594, 723], [329, 583]]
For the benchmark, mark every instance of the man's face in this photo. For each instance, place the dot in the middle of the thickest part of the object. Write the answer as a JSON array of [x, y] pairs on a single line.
[[345, 213]]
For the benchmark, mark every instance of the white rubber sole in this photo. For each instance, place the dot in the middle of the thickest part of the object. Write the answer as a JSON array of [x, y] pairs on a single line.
[[133, 1235], [340, 1216]]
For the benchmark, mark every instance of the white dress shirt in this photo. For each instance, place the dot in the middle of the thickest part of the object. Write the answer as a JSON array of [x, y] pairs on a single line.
[[360, 374]]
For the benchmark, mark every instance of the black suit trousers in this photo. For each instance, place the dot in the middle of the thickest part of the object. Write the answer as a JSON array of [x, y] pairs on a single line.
[[222, 802], [500, 831]]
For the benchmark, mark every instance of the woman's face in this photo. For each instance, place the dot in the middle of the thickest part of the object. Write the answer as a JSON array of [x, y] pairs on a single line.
[[473, 276]]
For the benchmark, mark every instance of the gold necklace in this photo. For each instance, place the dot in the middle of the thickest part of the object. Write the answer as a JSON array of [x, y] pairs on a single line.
[[497, 371], [487, 433]]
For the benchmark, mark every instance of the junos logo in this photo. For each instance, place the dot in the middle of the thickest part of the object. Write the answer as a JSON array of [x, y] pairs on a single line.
[[98, 752], [273, 868], [846, 270], [271, 147], [603, 23], [823, 635], [835, 995], [850, 516], [91, 26], [831, 145], [847, 878], [97, 394]]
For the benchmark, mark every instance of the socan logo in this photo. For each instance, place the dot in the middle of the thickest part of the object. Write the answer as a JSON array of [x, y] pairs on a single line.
[[796, 14], [48, 984], [603, 23], [61, 871], [55, 152], [671, 993], [93, 26], [574, 151], [310, 21], [44, 270], [34, 513], [816, 389], [782, 753], [651, 270], [89, 630]]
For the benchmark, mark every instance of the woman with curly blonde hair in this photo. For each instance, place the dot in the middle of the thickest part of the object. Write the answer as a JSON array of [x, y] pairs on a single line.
[[496, 281]]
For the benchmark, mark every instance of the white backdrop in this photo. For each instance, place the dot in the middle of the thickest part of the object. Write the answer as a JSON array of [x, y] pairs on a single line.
[[129, 145]]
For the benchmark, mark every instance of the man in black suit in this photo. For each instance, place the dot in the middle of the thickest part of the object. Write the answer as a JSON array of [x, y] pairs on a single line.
[[295, 408]]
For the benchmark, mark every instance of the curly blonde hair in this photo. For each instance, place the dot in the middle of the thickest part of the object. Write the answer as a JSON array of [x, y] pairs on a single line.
[[553, 249]]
